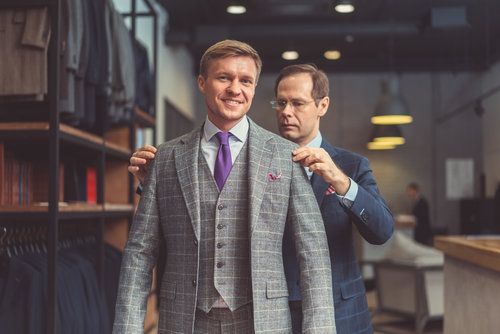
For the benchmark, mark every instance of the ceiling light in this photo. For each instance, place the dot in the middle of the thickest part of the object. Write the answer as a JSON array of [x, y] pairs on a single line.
[[349, 38], [332, 54], [389, 134], [380, 146], [391, 108], [343, 6], [236, 9], [290, 55]]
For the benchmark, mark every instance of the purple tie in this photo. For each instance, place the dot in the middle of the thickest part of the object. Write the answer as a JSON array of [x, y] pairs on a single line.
[[223, 162]]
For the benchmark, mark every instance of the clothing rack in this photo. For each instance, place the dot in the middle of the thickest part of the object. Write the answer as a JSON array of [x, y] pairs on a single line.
[[49, 221], [140, 118]]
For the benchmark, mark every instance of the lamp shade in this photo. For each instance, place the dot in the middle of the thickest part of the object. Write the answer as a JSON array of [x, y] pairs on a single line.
[[391, 108], [390, 134], [380, 146]]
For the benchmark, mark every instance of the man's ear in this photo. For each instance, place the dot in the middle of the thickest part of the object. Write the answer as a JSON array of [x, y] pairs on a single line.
[[201, 83], [323, 106]]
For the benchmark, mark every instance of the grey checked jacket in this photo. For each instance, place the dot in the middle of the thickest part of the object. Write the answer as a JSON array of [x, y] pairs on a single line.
[[279, 193]]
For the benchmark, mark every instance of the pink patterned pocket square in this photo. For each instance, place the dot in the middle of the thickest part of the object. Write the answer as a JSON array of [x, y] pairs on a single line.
[[330, 190], [273, 177]]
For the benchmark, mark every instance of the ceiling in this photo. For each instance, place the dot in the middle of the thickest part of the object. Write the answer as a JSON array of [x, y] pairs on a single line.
[[380, 35]]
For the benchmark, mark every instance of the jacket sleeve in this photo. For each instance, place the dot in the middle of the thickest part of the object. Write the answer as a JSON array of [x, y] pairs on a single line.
[[369, 211], [313, 255], [139, 258]]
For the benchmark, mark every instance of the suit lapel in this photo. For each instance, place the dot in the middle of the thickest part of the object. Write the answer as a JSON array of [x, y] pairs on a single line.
[[318, 184], [319, 187], [261, 149], [186, 163]]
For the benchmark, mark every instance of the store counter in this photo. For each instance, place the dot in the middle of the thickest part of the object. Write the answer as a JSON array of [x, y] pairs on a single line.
[[472, 283]]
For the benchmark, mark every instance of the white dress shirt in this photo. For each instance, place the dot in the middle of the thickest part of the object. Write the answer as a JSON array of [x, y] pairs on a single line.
[[210, 144]]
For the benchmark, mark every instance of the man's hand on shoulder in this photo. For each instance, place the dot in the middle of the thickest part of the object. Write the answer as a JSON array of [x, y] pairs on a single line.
[[319, 162], [140, 161]]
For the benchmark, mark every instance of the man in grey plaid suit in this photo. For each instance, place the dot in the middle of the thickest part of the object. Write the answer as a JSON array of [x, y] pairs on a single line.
[[224, 266]]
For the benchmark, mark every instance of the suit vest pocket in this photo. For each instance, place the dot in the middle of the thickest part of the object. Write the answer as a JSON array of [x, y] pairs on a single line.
[[168, 290]]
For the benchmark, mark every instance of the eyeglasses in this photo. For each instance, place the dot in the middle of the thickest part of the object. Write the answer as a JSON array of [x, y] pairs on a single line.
[[297, 105]]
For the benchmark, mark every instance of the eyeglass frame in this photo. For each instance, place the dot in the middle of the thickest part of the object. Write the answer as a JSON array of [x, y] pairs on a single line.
[[293, 104]]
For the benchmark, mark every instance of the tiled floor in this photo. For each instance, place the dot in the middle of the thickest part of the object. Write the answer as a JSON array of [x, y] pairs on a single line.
[[385, 323]]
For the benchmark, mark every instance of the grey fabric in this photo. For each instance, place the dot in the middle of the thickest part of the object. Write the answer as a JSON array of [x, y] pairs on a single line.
[[224, 237], [278, 193], [224, 321], [123, 69], [72, 31]]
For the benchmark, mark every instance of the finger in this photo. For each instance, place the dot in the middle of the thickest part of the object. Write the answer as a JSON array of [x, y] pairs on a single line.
[[144, 154], [133, 169], [301, 155], [149, 148], [318, 168], [300, 150], [134, 161]]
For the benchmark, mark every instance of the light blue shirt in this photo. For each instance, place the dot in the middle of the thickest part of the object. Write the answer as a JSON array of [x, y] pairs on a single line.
[[350, 196], [210, 144]]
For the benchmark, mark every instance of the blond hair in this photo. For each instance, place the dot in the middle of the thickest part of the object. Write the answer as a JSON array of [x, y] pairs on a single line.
[[229, 48]]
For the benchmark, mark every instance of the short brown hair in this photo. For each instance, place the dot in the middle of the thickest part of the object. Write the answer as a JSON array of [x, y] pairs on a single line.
[[229, 48], [321, 86], [414, 185]]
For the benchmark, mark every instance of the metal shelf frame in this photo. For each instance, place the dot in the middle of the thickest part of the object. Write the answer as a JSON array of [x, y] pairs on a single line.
[[57, 136]]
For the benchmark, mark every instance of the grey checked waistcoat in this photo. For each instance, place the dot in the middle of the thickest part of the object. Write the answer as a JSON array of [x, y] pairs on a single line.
[[224, 239]]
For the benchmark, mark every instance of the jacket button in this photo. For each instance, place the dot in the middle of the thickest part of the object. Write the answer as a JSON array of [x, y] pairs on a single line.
[[194, 283], [220, 264], [220, 226], [220, 245], [220, 207], [365, 216], [195, 242]]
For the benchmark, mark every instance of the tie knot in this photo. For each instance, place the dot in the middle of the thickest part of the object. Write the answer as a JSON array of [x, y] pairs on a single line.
[[223, 137]]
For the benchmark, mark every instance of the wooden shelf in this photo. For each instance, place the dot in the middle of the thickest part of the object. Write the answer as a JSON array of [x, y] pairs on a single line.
[[117, 151], [32, 130], [118, 207], [67, 211], [143, 118], [24, 4]]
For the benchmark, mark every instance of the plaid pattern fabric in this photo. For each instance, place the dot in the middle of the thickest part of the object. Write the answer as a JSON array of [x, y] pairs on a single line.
[[224, 321], [224, 237], [170, 206]]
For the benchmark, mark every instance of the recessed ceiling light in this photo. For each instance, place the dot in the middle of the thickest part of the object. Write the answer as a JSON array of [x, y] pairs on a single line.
[[332, 54], [236, 9], [344, 6], [290, 55]]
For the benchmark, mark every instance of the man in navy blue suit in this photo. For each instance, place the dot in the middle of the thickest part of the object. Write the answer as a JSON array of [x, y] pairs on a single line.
[[344, 186], [345, 189]]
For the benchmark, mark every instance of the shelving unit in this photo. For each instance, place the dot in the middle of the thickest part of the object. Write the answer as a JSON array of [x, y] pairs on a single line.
[[37, 131], [53, 140]]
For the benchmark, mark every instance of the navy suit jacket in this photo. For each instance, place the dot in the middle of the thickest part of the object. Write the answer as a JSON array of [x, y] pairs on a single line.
[[374, 221]]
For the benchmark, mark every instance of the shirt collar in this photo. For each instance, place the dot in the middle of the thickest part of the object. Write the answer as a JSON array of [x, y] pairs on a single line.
[[316, 142], [239, 131]]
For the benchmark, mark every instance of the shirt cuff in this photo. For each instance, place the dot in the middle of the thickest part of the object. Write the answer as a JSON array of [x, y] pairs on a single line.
[[349, 198]]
